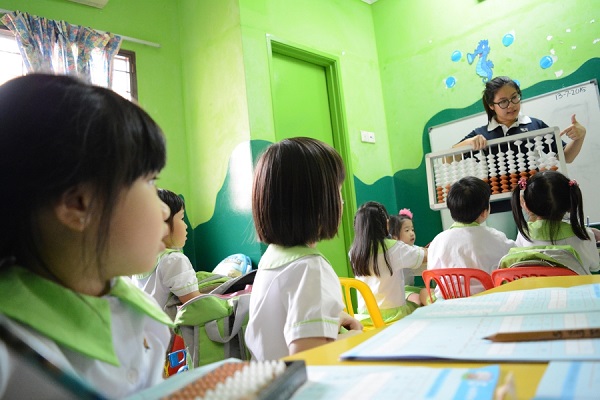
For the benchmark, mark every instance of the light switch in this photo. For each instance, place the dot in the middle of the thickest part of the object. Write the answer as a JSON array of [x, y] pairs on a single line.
[[367, 137]]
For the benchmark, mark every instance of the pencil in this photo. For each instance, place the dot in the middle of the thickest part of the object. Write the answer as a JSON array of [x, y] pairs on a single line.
[[560, 334]]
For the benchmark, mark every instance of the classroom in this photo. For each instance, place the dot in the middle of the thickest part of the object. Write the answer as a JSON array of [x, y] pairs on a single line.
[[225, 79], [210, 87]]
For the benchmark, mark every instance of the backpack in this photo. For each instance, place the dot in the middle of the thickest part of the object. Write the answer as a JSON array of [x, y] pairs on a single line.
[[553, 256], [213, 325], [233, 266]]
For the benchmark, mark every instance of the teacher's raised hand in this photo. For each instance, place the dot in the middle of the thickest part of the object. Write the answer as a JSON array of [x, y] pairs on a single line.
[[575, 132]]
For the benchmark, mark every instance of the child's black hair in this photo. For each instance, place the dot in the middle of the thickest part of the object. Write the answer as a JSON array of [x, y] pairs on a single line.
[[174, 202], [370, 232], [467, 199], [549, 195], [57, 132]]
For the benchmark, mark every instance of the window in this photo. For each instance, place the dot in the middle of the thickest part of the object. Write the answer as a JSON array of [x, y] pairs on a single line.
[[11, 66]]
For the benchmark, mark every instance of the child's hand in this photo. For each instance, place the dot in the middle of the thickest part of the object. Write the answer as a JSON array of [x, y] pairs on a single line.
[[350, 323]]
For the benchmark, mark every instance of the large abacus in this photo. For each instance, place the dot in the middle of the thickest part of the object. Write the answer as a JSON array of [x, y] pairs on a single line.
[[501, 164]]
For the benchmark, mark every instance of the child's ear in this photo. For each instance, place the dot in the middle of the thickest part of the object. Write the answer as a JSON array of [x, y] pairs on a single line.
[[484, 214], [73, 207]]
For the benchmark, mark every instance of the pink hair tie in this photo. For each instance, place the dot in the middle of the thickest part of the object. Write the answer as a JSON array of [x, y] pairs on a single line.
[[573, 182], [523, 183], [406, 212]]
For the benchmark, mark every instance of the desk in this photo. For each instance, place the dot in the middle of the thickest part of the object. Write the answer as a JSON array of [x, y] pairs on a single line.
[[526, 375]]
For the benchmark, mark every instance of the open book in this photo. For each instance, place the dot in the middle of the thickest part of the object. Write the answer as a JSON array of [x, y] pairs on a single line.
[[456, 329]]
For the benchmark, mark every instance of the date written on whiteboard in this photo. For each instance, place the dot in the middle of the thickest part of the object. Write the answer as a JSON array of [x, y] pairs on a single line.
[[568, 93]]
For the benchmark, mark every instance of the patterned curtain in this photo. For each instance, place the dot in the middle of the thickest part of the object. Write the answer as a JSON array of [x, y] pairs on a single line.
[[61, 48]]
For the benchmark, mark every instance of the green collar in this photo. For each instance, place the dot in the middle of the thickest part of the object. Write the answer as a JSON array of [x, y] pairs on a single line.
[[160, 256], [461, 225], [277, 256], [74, 320], [540, 230]]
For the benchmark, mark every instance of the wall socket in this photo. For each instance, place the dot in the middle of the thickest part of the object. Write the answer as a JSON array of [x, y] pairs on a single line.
[[367, 137]]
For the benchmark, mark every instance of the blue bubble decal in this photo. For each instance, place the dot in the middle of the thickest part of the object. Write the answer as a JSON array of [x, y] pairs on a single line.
[[546, 62], [456, 56], [450, 82], [508, 39]]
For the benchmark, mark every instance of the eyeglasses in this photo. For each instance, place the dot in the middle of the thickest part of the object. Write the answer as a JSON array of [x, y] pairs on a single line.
[[516, 99]]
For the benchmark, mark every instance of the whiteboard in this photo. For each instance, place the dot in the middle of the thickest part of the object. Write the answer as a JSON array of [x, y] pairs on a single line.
[[555, 109]]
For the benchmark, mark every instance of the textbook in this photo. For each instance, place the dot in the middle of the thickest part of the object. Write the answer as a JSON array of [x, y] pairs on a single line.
[[458, 329]]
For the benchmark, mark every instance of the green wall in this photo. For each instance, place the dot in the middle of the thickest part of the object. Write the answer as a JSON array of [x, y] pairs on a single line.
[[208, 86], [415, 46]]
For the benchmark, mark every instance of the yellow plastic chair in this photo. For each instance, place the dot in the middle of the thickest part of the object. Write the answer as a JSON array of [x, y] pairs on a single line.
[[365, 291]]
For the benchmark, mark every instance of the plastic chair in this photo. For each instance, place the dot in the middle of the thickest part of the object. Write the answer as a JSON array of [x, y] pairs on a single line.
[[456, 282], [505, 275], [367, 295]]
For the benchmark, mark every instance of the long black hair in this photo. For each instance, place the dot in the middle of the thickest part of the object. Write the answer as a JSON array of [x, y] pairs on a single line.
[[370, 232]]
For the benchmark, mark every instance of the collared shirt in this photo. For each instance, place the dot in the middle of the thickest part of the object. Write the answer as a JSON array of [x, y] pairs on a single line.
[[296, 294], [116, 342]]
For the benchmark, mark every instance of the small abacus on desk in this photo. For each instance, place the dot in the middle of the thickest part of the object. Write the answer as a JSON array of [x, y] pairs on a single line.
[[501, 164]]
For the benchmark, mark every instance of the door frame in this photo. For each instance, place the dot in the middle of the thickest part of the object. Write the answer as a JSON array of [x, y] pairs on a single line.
[[339, 129]]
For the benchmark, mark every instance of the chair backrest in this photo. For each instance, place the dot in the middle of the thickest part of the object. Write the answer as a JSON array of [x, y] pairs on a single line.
[[504, 275], [456, 282], [365, 291]]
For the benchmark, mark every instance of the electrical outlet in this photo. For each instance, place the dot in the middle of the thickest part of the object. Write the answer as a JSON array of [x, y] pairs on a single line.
[[367, 137]]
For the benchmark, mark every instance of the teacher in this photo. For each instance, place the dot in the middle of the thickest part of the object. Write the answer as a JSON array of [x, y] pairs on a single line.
[[502, 102]]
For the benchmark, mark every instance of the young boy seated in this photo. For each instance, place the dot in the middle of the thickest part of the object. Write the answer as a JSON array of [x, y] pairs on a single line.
[[468, 244]]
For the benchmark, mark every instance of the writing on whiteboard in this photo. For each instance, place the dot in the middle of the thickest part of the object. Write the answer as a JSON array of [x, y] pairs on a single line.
[[570, 92]]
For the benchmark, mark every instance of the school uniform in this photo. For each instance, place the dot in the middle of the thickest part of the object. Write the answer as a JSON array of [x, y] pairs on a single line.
[[117, 342], [389, 289], [296, 294], [468, 246], [173, 273], [539, 233]]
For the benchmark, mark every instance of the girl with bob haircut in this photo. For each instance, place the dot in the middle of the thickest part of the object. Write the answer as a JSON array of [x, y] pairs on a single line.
[[546, 198], [296, 302], [80, 163]]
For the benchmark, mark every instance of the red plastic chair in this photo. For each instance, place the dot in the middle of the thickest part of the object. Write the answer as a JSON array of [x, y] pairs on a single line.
[[505, 275], [456, 282]]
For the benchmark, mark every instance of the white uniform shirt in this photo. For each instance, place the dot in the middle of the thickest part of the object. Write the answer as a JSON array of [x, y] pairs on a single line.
[[173, 274], [138, 340], [468, 246], [587, 250], [387, 288], [294, 296]]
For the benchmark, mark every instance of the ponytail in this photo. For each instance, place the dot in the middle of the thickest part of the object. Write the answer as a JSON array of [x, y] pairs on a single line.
[[576, 211], [517, 210]]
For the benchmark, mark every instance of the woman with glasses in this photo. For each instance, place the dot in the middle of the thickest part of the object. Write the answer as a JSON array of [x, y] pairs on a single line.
[[502, 102]]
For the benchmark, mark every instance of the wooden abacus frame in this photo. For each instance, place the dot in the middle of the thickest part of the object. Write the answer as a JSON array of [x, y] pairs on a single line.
[[454, 154]]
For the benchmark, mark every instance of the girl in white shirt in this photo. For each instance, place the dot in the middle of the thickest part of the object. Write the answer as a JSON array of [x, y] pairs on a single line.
[[546, 198], [379, 261], [80, 212], [296, 301]]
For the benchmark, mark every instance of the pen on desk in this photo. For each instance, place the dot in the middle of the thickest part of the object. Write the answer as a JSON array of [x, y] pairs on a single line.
[[545, 335]]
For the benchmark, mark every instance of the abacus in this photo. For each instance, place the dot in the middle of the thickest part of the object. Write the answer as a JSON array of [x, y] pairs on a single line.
[[260, 380], [501, 164]]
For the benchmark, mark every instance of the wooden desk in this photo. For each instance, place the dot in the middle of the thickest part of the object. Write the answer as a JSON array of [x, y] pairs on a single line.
[[526, 375]]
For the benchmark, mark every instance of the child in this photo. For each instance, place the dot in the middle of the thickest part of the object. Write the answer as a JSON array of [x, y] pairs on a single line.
[[80, 163], [379, 261], [468, 244], [401, 228], [547, 197], [296, 302], [173, 272]]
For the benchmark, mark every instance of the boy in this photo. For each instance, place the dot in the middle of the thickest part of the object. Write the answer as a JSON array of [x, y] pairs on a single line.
[[467, 244]]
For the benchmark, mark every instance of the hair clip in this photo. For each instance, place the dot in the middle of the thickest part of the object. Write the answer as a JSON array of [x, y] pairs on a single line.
[[406, 212], [523, 183], [573, 182]]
